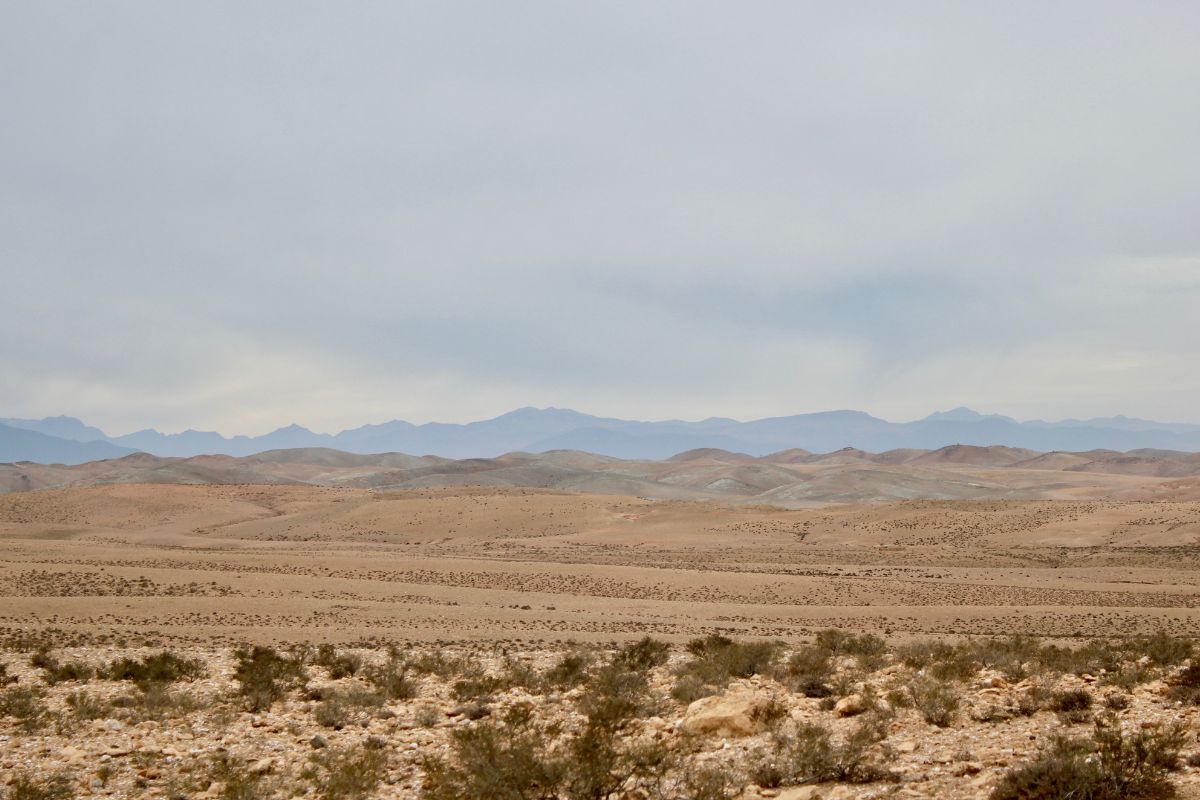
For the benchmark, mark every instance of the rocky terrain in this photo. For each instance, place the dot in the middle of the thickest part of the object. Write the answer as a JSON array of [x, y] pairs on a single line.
[[464, 621], [843, 716]]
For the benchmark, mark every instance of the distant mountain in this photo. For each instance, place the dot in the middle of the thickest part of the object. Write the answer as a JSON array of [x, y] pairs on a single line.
[[538, 430], [21, 444], [61, 427]]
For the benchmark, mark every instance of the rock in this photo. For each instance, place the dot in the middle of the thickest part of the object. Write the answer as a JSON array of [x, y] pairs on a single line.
[[801, 793], [968, 768], [262, 766], [738, 712], [850, 705], [318, 742], [906, 746]]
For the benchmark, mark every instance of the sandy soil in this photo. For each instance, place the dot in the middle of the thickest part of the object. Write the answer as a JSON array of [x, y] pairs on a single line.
[[221, 564]]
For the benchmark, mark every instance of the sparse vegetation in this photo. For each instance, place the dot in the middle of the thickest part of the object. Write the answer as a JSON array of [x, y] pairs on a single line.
[[717, 659], [28, 786], [264, 675], [339, 665], [160, 668], [26, 705], [1113, 765], [937, 701], [348, 774]]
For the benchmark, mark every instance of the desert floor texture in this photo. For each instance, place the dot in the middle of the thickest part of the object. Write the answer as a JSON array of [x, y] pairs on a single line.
[[496, 573]]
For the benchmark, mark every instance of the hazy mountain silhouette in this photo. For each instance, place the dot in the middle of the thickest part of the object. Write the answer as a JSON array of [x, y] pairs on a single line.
[[20, 444], [538, 430]]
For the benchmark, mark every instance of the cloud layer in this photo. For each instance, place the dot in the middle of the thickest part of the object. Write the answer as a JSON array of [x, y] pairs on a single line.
[[237, 217]]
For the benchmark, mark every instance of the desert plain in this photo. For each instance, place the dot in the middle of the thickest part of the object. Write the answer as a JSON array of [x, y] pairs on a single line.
[[445, 561]]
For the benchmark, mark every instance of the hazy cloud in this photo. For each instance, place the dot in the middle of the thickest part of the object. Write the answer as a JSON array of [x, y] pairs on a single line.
[[239, 216]]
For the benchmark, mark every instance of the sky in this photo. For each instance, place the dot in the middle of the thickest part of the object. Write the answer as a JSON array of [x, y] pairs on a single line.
[[235, 216]]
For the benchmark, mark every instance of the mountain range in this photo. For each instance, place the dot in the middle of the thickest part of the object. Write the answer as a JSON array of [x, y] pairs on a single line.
[[68, 440]]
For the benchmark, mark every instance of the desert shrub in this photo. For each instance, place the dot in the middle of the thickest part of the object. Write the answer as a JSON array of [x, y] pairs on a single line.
[[1185, 686], [716, 660], [507, 760], [807, 672], [936, 701], [235, 780], [1116, 701], [88, 707], [689, 688], [349, 774], [26, 705], [644, 654], [570, 670], [1162, 648], [1129, 676], [265, 676], [867, 648], [27, 786], [613, 696], [445, 666], [427, 716], [1070, 700], [707, 782], [391, 679], [163, 667], [809, 754], [516, 673], [338, 708], [55, 671], [5, 678], [339, 665], [156, 701], [1112, 766], [476, 688], [921, 654], [1092, 657]]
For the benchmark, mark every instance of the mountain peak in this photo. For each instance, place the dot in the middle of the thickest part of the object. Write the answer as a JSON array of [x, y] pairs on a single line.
[[964, 414]]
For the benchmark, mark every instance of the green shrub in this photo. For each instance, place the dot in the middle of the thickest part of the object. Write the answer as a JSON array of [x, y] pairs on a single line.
[[163, 667], [937, 701], [614, 696], [506, 760], [644, 654], [55, 671], [810, 755], [339, 665], [1185, 687], [391, 680], [1112, 766], [265, 676], [867, 648], [570, 670], [807, 672], [1073, 706], [716, 660]]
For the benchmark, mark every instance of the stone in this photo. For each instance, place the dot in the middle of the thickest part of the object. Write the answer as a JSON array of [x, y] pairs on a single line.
[[906, 746], [262, 766], [801, 793], [850, 705], [738, 712], [318, 742]]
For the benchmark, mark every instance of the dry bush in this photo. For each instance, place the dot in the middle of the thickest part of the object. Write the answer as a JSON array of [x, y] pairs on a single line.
[[1112, 766], [265, 676], [716, 660], [349, 774], [706, 783], [644, 654], [88, 707], [338, 665], [570, 670], [5, 678], [161, 668], [506, 759], [809, 754], [1073, 706], [807, 672], [55, 671], [340, 707], [1185, 687], [391, 679], [1162, 648], [866, 648], [27, 786], [156, 701], [26, 705], [936, 700], [235, 780], [445, 666]]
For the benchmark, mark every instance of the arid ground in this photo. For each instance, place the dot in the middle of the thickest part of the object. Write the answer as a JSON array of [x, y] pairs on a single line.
[[285, 563], [491, 588]]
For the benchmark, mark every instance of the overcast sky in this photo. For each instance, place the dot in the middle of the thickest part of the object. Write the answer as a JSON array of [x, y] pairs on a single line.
[[235, 216]]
